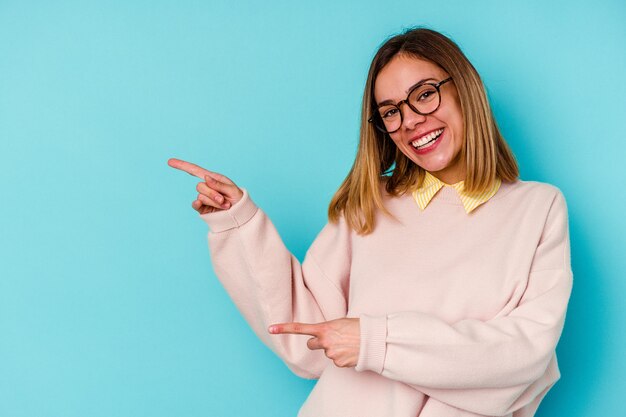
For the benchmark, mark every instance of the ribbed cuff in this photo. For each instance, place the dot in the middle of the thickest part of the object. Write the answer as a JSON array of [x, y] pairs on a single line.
[[373, 346], [238, 214]]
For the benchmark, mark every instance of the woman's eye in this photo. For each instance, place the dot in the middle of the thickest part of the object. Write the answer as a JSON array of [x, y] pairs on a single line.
[[425, 95], [389, 113]]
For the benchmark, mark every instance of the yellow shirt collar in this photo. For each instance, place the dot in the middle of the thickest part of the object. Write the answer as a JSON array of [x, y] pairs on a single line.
[[431, 185]]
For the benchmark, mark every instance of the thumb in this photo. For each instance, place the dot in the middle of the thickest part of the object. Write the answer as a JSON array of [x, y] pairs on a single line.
[[230, 191]]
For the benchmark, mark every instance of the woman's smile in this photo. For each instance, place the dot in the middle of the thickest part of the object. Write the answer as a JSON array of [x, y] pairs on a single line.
[[428, 142]]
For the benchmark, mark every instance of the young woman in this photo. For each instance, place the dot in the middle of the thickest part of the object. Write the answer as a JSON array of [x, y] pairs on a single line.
[[439, 287]]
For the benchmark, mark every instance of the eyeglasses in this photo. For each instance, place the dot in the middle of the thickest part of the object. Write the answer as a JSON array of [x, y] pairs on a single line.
[[423, 99]]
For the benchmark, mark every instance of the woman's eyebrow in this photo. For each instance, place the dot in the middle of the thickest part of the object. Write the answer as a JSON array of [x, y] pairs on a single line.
[[385, 102], [418, 83]]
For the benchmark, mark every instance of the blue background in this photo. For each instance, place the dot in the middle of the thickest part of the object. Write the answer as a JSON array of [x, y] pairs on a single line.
[[108, 303]]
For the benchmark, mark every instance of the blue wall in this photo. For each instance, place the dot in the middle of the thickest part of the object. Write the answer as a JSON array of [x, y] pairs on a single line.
[[108, 304]]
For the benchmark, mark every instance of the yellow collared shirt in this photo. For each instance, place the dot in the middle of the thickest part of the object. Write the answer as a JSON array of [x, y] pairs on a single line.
[[432, 185]]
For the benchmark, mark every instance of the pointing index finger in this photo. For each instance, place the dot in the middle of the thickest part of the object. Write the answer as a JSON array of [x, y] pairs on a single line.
[[295, 328], [189, 168]]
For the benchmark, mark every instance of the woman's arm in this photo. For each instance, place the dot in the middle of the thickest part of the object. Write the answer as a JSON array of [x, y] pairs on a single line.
[[487, 367], [269, 285]]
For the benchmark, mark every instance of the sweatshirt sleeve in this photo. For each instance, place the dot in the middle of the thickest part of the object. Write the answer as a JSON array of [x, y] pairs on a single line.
[[269, 285], [489, 367]]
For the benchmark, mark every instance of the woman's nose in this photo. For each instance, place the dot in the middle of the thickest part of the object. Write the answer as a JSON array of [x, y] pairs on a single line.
[[410, 118]]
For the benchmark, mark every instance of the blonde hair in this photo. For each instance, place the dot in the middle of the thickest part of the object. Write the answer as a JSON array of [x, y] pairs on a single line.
[[485, 151]]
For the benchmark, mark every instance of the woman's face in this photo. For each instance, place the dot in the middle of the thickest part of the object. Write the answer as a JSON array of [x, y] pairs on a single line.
[[441, 156]]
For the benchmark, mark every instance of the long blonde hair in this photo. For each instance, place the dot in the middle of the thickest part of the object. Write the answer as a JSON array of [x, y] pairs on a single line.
[[485, 151]]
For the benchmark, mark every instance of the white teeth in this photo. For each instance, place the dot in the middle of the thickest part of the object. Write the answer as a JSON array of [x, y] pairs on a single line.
[[425, 139]]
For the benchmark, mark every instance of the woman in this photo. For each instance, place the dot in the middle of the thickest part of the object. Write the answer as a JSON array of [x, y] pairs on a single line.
[[440, 284]]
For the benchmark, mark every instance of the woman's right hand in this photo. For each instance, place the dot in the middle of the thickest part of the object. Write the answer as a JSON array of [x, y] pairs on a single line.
[[216, 193]]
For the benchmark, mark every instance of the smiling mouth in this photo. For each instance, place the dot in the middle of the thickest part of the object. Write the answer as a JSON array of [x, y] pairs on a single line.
[[427, 139]]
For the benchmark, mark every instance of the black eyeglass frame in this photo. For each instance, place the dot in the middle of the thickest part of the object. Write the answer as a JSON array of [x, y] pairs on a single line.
[[406, 100]]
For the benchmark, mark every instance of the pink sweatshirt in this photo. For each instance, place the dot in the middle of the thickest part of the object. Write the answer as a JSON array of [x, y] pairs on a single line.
[[460, 313]]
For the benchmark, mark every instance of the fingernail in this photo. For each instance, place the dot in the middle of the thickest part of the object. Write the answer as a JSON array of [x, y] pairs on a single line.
[[220, 199], [272, 329]]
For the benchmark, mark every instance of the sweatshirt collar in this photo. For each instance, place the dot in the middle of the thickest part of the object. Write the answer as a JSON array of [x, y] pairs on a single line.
[[431, 185]]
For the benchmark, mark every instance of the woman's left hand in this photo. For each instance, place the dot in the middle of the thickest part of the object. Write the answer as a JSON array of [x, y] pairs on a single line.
[[339, 338]]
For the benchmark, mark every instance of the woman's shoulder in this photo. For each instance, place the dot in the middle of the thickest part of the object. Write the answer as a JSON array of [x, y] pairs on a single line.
[[529, 191]]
